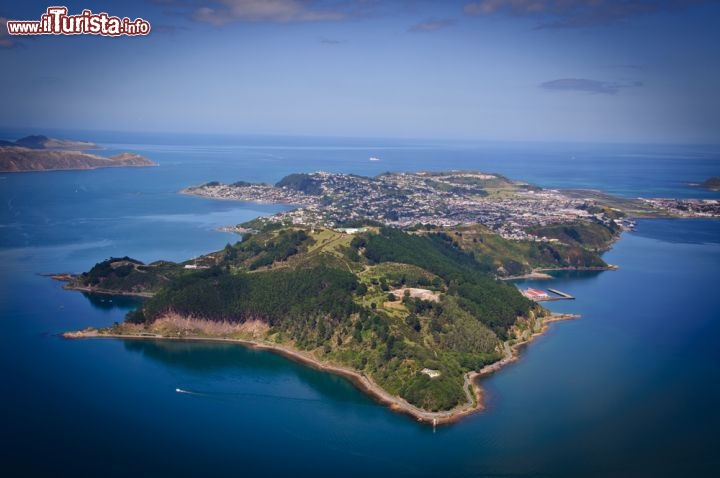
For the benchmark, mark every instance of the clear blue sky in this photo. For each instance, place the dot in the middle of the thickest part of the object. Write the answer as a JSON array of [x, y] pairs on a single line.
[[556, 70]]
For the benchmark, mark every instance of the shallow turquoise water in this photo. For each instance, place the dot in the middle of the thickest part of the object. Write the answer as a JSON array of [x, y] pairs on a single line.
[[630, 389]]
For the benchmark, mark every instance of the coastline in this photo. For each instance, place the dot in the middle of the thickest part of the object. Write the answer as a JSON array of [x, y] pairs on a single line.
[[541, 273], [90, 168], [530, 275], [68, 278], [473, 391], [515, 349], [188, 192], [94, 290], [609, 267]]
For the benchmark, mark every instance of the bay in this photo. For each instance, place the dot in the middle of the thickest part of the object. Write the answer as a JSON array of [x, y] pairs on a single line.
[[630, 389]]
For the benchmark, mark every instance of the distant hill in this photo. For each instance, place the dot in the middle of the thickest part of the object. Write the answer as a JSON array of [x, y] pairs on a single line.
[[712, 183], [301, 182], [590, 235], [43, 142], [41, 153]]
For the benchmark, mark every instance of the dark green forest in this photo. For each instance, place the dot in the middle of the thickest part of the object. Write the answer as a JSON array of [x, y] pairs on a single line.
[[329, 293]]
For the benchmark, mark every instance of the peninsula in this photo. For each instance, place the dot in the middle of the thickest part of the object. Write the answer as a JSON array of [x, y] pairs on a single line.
[[513, 210], [392, 281], [410, 317], [40, 153]]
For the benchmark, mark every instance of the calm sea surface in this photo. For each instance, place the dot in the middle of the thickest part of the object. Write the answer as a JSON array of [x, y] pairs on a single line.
[[630, 389]]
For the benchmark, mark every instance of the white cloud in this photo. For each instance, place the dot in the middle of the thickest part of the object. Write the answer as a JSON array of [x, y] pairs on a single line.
[[577, 13], [222, 12]]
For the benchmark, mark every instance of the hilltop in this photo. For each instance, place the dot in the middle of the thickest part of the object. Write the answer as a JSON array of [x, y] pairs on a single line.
[[43, 142]]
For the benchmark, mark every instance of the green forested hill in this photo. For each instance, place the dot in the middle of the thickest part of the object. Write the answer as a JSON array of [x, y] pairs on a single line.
[[589, 235], [385, 302]]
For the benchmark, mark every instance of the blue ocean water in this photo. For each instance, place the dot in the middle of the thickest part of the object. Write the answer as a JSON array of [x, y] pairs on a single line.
[[630, 389]]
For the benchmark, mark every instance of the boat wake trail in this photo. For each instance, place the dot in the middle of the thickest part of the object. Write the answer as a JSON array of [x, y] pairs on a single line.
[[188, 392], [244, 396]]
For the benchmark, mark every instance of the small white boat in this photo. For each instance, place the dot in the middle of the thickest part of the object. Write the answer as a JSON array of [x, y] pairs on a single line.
[[373, 158]]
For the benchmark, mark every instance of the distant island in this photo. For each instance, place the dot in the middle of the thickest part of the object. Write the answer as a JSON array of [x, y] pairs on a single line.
[[712, 184], [397, 282], [40, 153]]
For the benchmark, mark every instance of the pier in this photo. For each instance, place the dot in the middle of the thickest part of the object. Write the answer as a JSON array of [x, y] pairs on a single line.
[[540, 295], [562, 295]]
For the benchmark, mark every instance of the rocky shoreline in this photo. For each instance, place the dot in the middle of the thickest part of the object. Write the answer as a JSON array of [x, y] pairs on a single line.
[[472, 390]]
